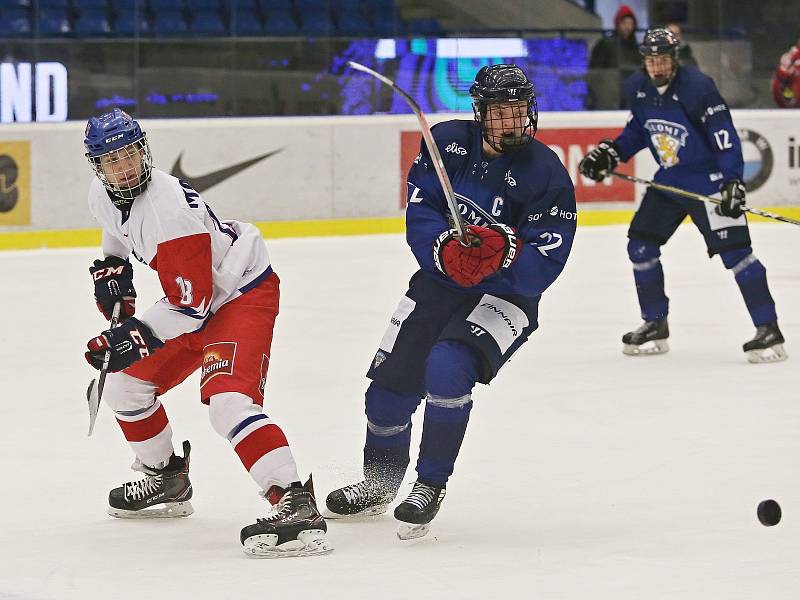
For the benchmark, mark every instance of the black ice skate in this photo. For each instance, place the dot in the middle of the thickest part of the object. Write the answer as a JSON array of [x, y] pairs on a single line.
[[417, 511], [293, 528], [363, 499], [650, 338], [162, 493], [767, 345]]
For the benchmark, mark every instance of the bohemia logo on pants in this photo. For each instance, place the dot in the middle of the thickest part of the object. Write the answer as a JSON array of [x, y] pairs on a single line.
[[571, 144], [218, 359]]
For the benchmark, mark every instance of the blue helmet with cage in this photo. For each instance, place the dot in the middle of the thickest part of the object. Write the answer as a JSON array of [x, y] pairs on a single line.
[[500, 84], [117, 150]]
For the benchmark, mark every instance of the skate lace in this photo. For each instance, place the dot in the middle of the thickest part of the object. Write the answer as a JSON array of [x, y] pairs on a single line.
[[136, 490], [356, 493], [281, 509], [421, 495]]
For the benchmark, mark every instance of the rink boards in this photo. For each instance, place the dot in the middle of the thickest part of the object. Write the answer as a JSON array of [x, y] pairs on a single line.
[[300, 176]]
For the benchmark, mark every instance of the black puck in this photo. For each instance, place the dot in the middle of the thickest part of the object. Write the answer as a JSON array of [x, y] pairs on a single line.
[[769, 513]]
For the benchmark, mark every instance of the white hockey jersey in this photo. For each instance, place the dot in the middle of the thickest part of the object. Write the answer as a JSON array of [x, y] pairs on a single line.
[[202, 262]]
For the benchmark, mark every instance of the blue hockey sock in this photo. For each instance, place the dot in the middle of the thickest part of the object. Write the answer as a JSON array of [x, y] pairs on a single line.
[[388, 434], [649, 277], [751, 277], [451, 372]]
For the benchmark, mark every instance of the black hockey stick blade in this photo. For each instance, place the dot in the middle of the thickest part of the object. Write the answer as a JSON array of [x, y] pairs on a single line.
[[93, 398]]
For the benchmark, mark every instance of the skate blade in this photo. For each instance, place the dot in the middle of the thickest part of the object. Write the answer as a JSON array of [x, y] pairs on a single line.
[[410, 531], [366, 514], [772, 354], [311, 542], [170, 510], [650, 348]]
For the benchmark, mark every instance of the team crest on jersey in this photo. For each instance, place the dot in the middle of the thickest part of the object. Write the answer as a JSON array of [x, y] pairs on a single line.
[[262, 381], [667, 138], [380, 356], [218, 359]]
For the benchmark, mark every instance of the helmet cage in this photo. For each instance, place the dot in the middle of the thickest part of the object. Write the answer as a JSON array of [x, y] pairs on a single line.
[[112, 169], [489, 125]]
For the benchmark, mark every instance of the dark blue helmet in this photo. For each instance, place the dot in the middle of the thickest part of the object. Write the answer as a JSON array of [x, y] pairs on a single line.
[[500, 84], [117, 150], [660, 41]]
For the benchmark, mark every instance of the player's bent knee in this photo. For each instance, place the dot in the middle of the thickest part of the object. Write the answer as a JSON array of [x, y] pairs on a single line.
[[643, 251], [387, 410], [451, 370], [228, 410], [733, 259], [124, 393]]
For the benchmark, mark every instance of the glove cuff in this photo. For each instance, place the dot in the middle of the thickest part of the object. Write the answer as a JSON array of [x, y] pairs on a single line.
[[438, 247]]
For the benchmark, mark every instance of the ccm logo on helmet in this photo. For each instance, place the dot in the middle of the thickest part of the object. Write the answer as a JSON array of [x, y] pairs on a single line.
[[113, 138]]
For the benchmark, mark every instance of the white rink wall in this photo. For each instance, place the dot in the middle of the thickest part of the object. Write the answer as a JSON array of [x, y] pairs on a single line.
[[341, 167]]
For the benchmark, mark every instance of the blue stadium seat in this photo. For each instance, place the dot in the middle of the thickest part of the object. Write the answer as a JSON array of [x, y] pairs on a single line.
[[384, 22], [94, 5], [4, 4], [130, 23], [380, 4], [304, 5], [128, 5], [280, 22], [15, 27], [170, 23], [246, 23], [196, 6], [16, 12], [317, 22], [423, 27], [92, 24], [50, 5], [53, 23], [352, 23], [167, 6], [268, 5], [208, 22], [348, 6], [251, 5]]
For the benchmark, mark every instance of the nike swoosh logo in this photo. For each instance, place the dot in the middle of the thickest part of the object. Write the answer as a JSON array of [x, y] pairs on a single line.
[[201, 183]]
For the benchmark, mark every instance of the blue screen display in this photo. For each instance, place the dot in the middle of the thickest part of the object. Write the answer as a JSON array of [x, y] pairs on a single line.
[[437, 72]]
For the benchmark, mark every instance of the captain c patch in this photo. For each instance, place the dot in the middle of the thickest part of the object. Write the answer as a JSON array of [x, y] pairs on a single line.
[[218, 359]]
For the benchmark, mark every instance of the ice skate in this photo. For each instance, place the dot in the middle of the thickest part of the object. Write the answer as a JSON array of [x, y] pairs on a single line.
[[766, 346], [363, 499], [418, 510], [163, 493], [293, 528], [650, 338]]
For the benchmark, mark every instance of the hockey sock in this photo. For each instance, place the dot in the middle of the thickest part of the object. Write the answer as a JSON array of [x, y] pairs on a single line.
[[649, 277], [148, 432], [451, 372], [388, 434], [258, 442], [751, 277]]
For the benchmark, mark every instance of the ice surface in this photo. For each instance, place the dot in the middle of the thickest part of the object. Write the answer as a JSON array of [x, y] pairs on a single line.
[[585, 474]]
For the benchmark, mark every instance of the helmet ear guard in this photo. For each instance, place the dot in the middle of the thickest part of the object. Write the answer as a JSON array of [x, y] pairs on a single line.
[[504, 83]]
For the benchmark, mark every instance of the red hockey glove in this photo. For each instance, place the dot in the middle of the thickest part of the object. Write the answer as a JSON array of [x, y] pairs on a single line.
[[128, 343], [491, 248]]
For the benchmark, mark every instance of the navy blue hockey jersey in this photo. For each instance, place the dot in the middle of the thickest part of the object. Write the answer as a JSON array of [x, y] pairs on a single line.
[[688, 130], [529, 190]]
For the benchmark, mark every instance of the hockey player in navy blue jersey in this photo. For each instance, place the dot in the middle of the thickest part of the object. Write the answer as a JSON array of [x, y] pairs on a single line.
[[468, 309], [678, 113]]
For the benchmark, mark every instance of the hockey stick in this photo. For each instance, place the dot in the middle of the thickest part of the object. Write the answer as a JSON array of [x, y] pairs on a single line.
[[701, 197], [95, 391], [438, 164]]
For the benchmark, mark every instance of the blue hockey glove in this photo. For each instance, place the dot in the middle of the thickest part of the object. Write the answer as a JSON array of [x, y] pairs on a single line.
[[733, 193], [128, 343], [597, 163]]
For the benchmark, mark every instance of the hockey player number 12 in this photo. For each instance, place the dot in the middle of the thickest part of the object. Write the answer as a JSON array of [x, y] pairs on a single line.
[[186, 290], [723, 139]]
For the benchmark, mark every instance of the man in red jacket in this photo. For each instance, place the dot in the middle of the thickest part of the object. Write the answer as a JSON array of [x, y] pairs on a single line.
[[786, 80]]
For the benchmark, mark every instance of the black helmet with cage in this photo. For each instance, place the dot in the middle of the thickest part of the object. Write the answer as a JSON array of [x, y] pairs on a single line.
[[660, 42], [503, 84]]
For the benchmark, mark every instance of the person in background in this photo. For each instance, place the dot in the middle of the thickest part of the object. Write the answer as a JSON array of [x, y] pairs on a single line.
[[614, 58], [786, 80], [685, 56]]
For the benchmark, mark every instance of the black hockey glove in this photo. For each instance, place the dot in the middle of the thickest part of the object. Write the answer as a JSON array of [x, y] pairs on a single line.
[[113, 282], [733, 193], [128, 343], [600, 161]]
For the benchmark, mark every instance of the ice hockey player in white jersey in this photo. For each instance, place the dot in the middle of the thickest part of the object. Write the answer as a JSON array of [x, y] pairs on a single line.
[[217, 315]]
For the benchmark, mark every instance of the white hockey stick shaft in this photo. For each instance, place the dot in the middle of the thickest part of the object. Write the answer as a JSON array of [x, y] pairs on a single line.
[[433, 150], [95, 392], [701, 197]]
